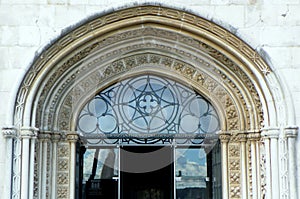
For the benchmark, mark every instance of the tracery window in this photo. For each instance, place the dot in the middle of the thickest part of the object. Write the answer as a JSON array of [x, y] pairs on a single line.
[[147, 109], [143, 115]]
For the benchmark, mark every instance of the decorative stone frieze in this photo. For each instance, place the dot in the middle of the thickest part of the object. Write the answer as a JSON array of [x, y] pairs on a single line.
[[234, 172], [63, 167]]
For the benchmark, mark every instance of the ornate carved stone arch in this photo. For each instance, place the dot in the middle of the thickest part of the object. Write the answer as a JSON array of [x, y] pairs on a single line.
[[138, 40]]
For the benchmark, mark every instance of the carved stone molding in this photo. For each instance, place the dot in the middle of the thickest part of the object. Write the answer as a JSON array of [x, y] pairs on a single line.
[[224, 137], [291, 132], [242, 137], [72, 136], [234, 172], [28, 132], [87, 86], [254, 136], [270, 133], [44, 136], [9, 132], [118, 67], [191, 21], [56, 136]]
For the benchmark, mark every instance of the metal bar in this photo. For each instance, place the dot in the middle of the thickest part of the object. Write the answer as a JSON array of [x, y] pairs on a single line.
[[149, 136], [119, 173]]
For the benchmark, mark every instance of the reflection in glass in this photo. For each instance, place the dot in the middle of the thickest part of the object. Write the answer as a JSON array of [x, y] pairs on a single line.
[[100, 172], [198, 173], [107, 163], [191, 173], [150, 110]]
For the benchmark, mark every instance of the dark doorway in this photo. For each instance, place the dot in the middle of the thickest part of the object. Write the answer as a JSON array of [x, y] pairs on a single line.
[[147, 172]]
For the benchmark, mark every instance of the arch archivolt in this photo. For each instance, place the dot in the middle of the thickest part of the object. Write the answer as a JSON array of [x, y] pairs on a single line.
[[210, 71], [134, 41]]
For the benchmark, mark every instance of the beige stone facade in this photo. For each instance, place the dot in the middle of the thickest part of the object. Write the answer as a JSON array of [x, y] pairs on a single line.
[[241, 55]]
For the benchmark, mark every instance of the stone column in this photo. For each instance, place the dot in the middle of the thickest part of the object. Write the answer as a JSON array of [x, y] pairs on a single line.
[[25, 133], [44, 138], [55, 138], [32, 156], [9, 133], [72, 137], [291, 135], [270, 137], [224, 138], [254, 139], [243, 165]]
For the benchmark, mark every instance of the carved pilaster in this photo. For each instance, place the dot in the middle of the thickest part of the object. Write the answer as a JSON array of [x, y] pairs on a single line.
[[224, 138], [55, 137], [33, 168], [44, 138], [25, 134], [254, 138], [32, 132], [72, 137], [270, 138], [242, 138], [291, 134], [234, 163], [9, 133]]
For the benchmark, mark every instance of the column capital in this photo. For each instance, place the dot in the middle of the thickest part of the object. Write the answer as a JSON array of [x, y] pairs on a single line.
[[9, 132], [254, 136], [28, 132], [55, 136], [72, 136], [272, 132], [44, 135], [242, 137], [224, 136], [291, 132]]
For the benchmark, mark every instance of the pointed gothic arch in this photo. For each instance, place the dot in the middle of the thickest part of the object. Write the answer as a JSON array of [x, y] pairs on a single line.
[[146, 40]]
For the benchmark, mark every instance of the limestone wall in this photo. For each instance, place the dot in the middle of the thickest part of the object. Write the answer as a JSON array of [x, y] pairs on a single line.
[[27, 26]]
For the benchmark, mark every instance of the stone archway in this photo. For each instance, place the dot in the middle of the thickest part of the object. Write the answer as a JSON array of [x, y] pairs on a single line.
[[139, 40]]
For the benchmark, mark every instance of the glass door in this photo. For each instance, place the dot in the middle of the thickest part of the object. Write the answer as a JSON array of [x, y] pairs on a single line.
[[149, 136], [146, 172], [100, 173], [198, 172]]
